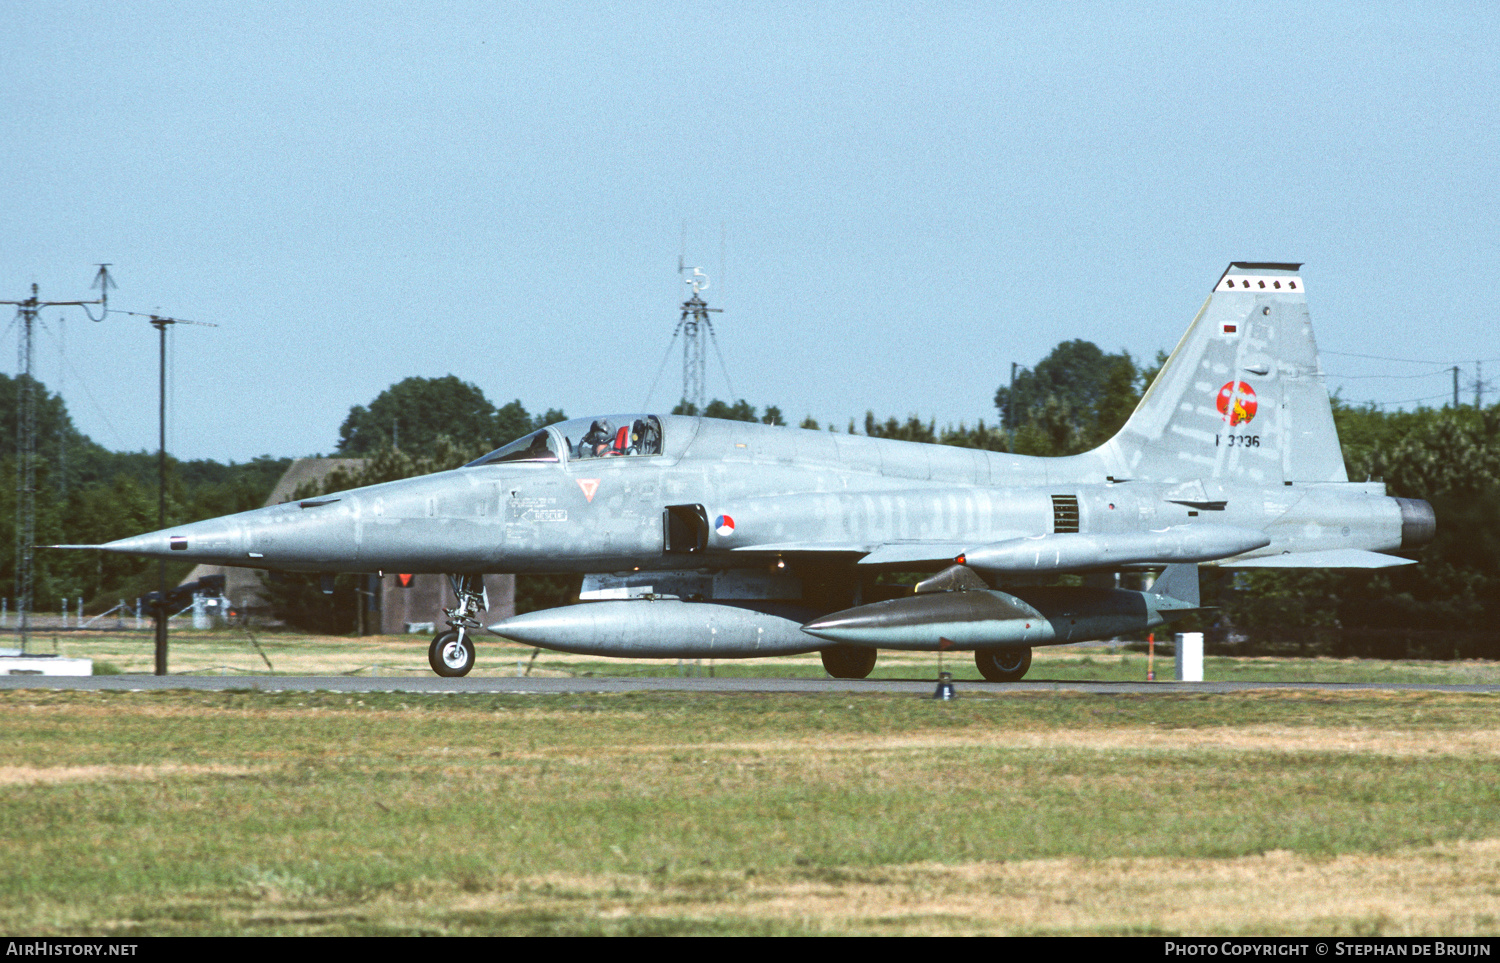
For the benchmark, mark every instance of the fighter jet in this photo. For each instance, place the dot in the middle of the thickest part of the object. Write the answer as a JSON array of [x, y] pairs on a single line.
[[701, 538]]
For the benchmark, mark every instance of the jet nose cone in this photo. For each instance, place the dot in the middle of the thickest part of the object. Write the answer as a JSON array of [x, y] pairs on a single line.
[[151, 543], [850, 625], [214, 539], [547, 628]]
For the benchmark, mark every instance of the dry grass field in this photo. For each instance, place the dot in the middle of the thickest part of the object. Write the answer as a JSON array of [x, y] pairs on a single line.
[[659, 813], [237, 653]]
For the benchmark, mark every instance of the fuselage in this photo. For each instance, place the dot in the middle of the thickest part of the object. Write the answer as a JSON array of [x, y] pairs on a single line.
[[722, 494]]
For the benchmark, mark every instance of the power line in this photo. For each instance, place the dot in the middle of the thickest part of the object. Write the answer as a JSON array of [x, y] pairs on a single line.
[[1441, 372], [664, 359], [67, 365], [1453, 369], [1387, 404], [1380, 357]]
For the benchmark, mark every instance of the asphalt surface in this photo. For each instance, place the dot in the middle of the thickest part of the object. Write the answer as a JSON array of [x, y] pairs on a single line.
[[551, 685]]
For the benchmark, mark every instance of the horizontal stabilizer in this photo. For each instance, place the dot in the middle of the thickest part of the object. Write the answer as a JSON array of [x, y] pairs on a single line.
[[1332, 558]]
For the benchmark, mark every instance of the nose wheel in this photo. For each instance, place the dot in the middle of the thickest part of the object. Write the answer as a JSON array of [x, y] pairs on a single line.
[[451, 654]]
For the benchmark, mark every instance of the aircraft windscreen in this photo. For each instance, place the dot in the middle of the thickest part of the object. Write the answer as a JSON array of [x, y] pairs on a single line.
[[535, 447], [614, 436], [609, 437]]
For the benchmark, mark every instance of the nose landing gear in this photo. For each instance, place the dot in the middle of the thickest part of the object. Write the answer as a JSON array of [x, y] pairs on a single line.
[[451, 654]]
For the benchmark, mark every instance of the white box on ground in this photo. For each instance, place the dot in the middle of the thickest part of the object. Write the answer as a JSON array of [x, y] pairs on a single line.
[[1189, 656], [45, 665]]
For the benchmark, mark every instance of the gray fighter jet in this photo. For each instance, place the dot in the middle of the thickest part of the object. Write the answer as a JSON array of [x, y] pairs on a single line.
[[701, 538]]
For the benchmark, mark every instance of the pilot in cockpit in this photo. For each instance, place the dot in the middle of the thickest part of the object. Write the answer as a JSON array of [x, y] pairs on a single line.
[[599, 441], [645, 437], [538, 449]]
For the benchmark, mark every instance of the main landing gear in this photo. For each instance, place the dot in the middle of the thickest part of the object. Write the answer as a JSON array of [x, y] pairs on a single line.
[[452, 653], [848, 661], [1002, 665]]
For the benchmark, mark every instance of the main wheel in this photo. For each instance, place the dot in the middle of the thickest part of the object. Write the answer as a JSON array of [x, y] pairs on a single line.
[[848, 661], [451, 655], [1002, 665]]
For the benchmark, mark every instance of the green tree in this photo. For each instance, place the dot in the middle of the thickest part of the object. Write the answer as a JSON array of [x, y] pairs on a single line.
[[980, 436], [1075, 399], [912, 429], [86, 494], [741, 410], [1451, 459], [412, 413], [1443, 607]]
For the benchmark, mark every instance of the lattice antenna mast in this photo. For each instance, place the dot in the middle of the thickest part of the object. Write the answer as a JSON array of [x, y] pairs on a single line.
[[693, 326], [26, 442]]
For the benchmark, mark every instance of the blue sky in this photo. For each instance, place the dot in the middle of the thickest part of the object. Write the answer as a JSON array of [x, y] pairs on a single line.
[[894, 202]]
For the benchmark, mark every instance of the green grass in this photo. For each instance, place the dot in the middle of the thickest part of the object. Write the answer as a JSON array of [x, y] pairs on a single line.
[[223, 652], [669, 813]]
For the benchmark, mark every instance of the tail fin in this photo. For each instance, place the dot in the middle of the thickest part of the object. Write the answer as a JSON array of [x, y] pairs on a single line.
[[1242, 397]]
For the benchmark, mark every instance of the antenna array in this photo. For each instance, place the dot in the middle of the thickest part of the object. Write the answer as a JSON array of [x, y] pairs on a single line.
[[693, 324], [26, 414]]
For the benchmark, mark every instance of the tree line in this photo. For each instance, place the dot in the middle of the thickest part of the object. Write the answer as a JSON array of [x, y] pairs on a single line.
[[86, 494]]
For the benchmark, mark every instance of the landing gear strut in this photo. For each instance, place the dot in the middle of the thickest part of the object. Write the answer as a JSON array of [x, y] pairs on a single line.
[[452, 652]]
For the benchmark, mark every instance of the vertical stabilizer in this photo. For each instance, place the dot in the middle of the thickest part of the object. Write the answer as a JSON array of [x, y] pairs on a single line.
[[1242, 398]]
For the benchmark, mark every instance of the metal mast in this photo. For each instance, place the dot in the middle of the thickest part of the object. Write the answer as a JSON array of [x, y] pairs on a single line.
[[159, 609], [693, 325], [26, 409]]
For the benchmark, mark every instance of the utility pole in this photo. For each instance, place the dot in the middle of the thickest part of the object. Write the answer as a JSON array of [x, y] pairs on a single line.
[[159, 610], [1010, 405], [1478, 385], [26, 410], [1455, 387]]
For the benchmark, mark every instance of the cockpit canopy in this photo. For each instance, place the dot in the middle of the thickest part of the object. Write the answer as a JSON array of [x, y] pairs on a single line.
[[605, 437]]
